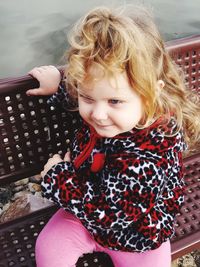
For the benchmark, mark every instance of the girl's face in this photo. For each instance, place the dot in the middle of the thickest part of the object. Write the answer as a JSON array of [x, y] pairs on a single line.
[[109, 105]]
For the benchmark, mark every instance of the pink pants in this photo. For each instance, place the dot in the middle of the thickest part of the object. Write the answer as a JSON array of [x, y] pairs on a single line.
[[64, 239]]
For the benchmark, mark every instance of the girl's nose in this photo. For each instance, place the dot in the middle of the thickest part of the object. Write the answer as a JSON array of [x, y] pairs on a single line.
[[99, 113]]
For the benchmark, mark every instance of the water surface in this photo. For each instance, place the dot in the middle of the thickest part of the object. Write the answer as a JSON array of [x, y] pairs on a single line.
[[33, 32]]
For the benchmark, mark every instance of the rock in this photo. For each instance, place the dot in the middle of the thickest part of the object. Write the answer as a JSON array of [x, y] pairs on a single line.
[[20, 194], [38, 194], [37, 203], [16, 209], [174, 263], [21, 182], [188, 261], [6, 206], [34, 187], [35, 179], [5, 194], [196, 256], [1, 211], [18, 188], [23, 205]]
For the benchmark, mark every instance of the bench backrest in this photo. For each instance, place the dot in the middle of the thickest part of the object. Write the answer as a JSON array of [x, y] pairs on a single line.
[[31, 131]]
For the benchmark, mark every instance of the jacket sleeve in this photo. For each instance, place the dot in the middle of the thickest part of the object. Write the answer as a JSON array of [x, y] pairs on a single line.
[[62, 186]]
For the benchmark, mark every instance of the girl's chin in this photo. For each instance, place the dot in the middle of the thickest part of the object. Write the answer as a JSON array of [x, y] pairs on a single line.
[[105, 133]]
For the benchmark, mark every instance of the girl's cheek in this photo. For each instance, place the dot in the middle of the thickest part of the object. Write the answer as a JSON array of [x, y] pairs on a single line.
[[84, 111], [81, 113]]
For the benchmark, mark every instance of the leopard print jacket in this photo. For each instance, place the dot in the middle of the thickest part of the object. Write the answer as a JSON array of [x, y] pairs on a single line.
[[126, 190]]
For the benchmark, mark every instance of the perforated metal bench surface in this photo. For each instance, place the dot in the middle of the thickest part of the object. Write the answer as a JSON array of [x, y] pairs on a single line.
[[31, 131], [17, 239], [187, 227]]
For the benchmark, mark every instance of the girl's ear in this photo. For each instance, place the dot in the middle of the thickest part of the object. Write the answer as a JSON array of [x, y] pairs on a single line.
[[161, 84]]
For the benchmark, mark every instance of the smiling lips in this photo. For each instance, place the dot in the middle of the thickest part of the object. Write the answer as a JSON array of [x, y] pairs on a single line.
[[102, 125]]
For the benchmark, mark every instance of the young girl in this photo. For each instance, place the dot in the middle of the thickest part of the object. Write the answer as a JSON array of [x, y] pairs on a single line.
[[121, 184]]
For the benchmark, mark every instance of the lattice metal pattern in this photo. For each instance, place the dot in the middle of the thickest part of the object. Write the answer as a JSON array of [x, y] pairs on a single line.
[[187, 56], [188, 221], [30, 132], [190, 61], [17, 241]]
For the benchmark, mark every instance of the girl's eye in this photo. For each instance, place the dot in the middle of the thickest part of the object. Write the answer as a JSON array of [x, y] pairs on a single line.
[[86, 99], [114, 101]]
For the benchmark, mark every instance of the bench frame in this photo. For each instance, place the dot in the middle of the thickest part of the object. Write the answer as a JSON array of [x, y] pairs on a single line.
[[31, 131]]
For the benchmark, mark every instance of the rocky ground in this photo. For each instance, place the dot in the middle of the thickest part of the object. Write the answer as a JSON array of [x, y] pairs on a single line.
[[20, 198], [24, 196], [189, 260]]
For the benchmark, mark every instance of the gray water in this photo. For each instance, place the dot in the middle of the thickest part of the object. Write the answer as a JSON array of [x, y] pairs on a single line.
[[33, 32]]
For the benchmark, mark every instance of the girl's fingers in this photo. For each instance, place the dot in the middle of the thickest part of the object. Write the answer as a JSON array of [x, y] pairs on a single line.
[[35, 91], [67, 157], [35, 71], [55, 156], [50, 163], [48, 77], [48, 67]]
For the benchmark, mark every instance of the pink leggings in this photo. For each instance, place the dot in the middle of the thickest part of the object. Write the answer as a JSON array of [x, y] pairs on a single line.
[[64, 239]]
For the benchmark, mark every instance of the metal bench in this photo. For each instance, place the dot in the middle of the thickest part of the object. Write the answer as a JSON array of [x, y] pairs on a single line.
[[31, 131]]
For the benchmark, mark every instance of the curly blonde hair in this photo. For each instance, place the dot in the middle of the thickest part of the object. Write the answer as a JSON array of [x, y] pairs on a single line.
[[129, 41]]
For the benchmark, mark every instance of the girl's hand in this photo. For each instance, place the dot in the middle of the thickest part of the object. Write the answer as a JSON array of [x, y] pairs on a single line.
[[49, 78], [50, 163], [53, 161], [67, 157]]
